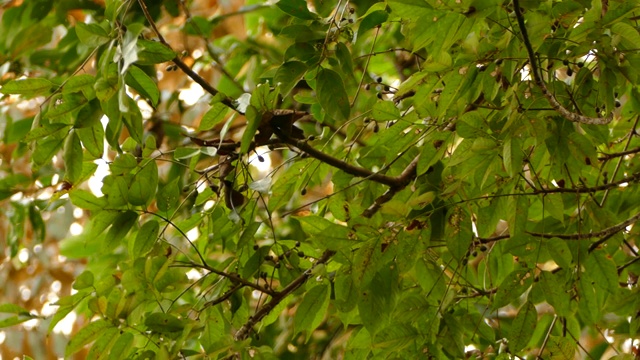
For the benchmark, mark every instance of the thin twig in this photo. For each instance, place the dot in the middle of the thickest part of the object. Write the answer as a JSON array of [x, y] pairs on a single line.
[[619, 163], [184, 67]]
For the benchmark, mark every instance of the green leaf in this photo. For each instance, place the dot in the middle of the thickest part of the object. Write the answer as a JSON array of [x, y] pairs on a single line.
[[296, 8], [93, 139], [86, 335], [332, 95], [80, 82], [514, 285], [248, 234], [373, 304], [100, 348], [214, 116], [254, 118], [92, 35], [602, 270], [86, 200], [288, 75], [523, 326], [561, 348], [144, 184], [119, 230], [45, 150], [366, 262], [122, 346], [153, 52], [13, 309], [169, 196], [325, 233], [29, 87], [73, 158], [371, 20], [163, 323], [395, 337], [84, 280], [185, 153], [143, 84], [312, 309], [146, 238], [385, 111]]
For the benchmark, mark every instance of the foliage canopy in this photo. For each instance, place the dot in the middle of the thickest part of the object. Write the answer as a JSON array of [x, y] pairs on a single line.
[[321, 179]]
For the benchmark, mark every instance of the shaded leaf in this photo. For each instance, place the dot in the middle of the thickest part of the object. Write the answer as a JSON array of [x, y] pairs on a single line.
[[332, 94]]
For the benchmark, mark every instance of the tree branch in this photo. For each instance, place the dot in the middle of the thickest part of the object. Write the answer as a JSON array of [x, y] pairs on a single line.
[[404, 178], [580, 236], [392, 181], [179, 63], [235, 278], [277, 298], [537, 79]]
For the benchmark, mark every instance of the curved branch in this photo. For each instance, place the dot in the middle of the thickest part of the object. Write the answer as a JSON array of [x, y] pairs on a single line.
[[537, 79]]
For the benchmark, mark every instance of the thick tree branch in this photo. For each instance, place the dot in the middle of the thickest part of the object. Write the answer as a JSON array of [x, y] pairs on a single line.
[[392, 181], [537, 79], [407, 175], [277, 298], [179, 63]]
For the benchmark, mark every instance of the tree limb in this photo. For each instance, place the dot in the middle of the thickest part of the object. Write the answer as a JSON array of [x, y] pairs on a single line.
[[537, 79], [392, 181]]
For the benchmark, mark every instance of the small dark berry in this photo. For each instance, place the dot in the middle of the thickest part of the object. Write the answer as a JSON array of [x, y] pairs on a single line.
[[277, 265], [297, 243], [565, 62], [464, 261], [483, 248], [376, 128], [352, 10], [303, 191], [311, 138], [597, 110], [186, 188], [618, 104], [482, 68], [379, 95], [367, 86], [379, 79], [260, 158], [350, 21], [256, 246], [499, 61], [301, 253], [268, 257], [569, 72], [474, 254], [580, 64]]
